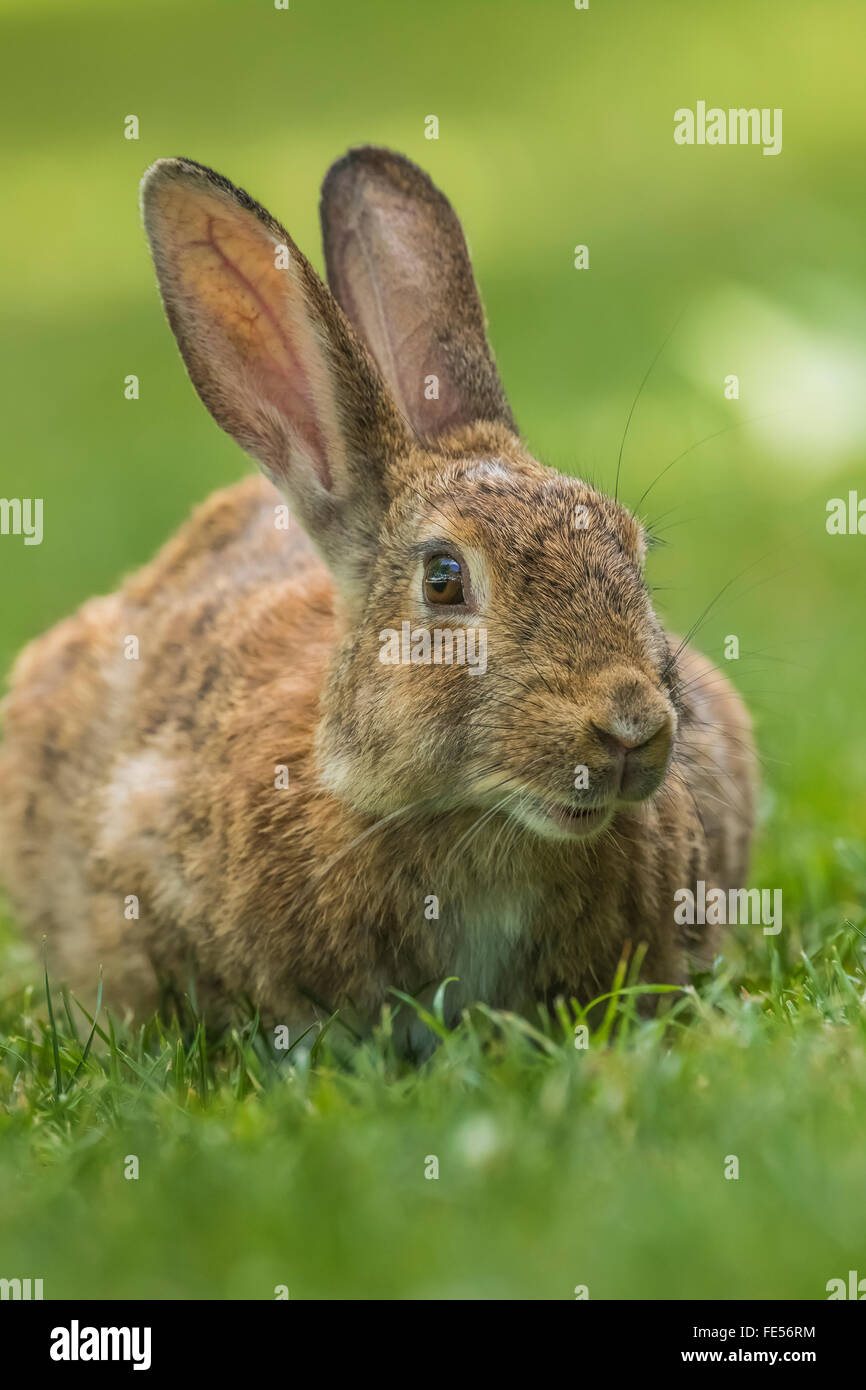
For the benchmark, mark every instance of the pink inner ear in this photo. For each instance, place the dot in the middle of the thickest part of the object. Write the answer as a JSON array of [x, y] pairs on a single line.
[[260, 311], [386, 290]]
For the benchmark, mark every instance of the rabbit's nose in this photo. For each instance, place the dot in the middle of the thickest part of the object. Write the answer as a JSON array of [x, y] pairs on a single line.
[[631, 735], [638, 747]]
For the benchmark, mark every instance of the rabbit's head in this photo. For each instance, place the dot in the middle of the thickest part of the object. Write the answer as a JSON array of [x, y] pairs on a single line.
[[497, 646]]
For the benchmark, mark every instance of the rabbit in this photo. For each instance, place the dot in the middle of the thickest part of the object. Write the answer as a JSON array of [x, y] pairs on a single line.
[[234, 771]]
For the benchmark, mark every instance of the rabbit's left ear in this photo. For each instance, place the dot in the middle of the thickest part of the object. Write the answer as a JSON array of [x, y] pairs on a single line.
[[273, 358], [398, 264]]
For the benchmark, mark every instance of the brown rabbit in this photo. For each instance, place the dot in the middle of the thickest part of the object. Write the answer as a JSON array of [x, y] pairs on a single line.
[[431, 726]]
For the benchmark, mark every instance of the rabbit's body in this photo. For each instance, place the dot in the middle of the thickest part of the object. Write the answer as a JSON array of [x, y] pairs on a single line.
[[159, 783], [253, 800]]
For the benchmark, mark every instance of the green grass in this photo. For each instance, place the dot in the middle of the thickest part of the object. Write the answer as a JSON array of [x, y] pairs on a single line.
[[558, 1167]]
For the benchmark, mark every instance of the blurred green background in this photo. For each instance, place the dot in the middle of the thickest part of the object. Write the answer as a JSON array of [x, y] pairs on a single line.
[[555, 129]]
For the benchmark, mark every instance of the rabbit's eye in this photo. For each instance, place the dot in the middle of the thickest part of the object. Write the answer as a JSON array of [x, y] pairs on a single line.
[[443, 580]]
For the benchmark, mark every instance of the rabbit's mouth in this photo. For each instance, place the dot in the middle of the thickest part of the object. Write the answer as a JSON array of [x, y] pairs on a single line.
[[554, 819]]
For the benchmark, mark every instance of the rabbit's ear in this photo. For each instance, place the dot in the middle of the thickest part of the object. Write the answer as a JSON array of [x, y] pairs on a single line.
[[398, 264], [272, 356]]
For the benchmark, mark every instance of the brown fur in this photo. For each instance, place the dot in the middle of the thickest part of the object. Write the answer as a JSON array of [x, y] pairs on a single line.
[[259, 648]]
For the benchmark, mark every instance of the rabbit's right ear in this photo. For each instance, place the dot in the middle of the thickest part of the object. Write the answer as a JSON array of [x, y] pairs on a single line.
[[398, 264], [272, 356]]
